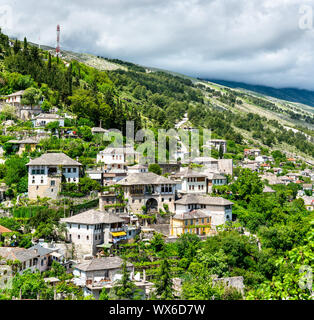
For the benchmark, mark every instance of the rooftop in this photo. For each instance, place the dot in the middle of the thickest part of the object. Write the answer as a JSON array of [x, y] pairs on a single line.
[[4, 229], [144, 178], [203, 199], [195, 214], [189, 173], [102, 264], [41, 250], [24, 141], [92, 217], [20, 254], [48, 116], [53, 159], [18, 93]]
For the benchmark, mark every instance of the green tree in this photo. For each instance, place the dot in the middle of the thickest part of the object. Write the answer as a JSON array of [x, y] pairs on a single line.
[[125, 289], [31, 96], [163, 285], [155, 168]]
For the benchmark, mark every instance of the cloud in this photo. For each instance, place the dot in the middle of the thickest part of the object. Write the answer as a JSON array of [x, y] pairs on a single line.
[[256, 41]]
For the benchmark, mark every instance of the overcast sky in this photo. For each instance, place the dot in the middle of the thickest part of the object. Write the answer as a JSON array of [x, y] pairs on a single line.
[[255, 41]]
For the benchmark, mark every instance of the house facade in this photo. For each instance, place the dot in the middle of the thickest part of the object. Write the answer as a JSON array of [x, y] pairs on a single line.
[[150, 190], [191, 181], [196, 221], [45, 174], [218, 208], [91, 230], [43, 119]]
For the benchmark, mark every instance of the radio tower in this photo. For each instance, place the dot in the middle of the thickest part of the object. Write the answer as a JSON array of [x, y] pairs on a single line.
[[58, 41]]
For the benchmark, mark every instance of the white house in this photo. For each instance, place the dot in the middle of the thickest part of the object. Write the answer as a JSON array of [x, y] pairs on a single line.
[[191, 181], [43, 119], [28, 258], [91, 230], [117, 158], [15, 98], [218, 208], [45, 174]]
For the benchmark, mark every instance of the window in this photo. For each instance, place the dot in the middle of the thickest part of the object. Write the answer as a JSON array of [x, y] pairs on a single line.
[[42, 171], [69, 170], [87, 227], [52, 182], [33, 181], [78, 236], [162, 199], [169, 199], [41, 181], [186, 222], [74, 170], [87, 237], [51, 190], [42, 262], [79, 226]]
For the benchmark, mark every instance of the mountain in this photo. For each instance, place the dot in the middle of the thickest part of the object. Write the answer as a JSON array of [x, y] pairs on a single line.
[[289, 94], [110, 92]]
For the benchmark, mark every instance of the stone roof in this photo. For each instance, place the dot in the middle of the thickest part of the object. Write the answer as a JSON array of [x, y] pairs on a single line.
[[99, 129], [4, 229], [144, 178], [18, 93], [54, 159], [102, 264], [204, 159], [41, 250], [203, 199], [20, 254], [92, 217], [189, 173], [194, 214], [120, 150], [24, 141], [48, 116]]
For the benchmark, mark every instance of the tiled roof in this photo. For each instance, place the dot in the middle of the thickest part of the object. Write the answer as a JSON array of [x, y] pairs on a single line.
[[48, 116], [18, 93], [41, 250], [195, 214], [102, 264], [54, 159], [203, 199], [4, 229], [92, 217], [190, 173], [143, 178], [20, 254]]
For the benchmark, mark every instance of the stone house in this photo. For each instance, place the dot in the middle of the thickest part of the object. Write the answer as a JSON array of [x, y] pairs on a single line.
[[43, 119], [24, 145], [196, 221], [191, 181], [218, 208], [102, 273], [150, 190], [47, 172], [91, 230]]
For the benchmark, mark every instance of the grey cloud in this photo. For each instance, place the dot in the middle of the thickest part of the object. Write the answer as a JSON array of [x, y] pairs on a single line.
[[257, 41]]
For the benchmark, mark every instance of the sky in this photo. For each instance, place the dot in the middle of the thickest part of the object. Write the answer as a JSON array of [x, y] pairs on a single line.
[[266, 42]]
